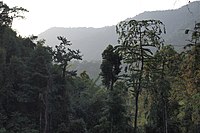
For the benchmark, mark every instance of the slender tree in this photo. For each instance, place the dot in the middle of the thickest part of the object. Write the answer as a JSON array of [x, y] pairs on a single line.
[[137, 39]]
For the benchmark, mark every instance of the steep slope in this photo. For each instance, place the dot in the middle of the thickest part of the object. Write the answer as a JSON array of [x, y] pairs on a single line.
[[92, 41]]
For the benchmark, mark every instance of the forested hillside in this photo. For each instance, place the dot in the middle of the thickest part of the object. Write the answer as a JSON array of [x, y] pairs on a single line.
[[146, 86]]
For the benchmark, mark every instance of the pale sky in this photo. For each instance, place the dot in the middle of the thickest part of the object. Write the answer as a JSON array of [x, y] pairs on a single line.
[[44, 14]]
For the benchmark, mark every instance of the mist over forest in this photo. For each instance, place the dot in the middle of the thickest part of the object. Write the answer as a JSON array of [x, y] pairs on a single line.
[[92, 41], [141, 75]]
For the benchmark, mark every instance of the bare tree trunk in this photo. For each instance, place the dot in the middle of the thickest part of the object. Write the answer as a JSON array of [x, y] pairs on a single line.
[[138, 86], [165, 106], [111, 125], [136, 111], [64, 71], [40, 121], [50, 124], [166, 122], [111, 115], [46, 102], [46, 114]]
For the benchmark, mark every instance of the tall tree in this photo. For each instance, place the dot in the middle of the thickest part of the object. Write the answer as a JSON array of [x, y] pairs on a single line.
[[114, 117], [63, 55], [136, 39], [110, 67]]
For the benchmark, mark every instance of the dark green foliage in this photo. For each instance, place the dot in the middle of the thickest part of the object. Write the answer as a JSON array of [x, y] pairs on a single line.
[[110, 67], [78, 126], [87, 101], [115, 118], [157, 74], [7, 14], [63, 55], [39, 94]]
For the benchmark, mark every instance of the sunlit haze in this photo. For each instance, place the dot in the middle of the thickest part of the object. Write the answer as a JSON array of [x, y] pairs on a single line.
[[44, 14]]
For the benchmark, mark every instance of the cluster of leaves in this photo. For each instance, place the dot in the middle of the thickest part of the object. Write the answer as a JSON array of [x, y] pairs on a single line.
[[7, 14]]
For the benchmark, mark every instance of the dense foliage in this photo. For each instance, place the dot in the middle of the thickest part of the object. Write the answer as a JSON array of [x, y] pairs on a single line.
[[143, 90]]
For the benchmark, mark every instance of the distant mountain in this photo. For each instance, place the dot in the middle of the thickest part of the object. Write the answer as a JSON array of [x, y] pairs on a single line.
[[176, 21], [92, 41]]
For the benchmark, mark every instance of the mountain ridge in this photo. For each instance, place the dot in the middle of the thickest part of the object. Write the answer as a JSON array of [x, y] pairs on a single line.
[[92, 41]]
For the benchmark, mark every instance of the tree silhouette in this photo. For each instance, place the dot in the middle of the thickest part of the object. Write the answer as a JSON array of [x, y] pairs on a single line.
[[136, 39]]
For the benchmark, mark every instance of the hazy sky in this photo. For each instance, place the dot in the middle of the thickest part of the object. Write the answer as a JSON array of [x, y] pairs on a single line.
[[44, 14]]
